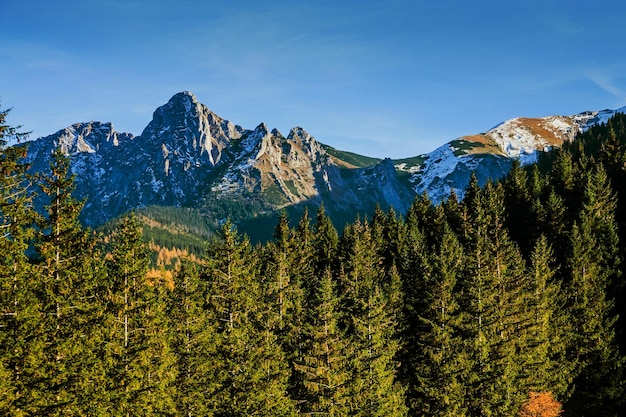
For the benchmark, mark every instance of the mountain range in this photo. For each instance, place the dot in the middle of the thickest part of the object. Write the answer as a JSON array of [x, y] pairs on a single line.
[[189, 158]]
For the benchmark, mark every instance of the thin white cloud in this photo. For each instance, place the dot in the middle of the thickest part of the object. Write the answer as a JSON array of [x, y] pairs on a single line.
[[607, 83]]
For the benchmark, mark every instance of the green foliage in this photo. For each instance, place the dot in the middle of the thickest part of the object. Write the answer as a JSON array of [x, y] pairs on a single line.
[[324, 366], [138, 355], [69, 270], [356, 160], [21, 349], [193, 343], [248, 365], [440, 358]]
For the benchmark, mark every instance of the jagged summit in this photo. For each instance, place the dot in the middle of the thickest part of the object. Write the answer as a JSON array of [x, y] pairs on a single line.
[[190, 133]]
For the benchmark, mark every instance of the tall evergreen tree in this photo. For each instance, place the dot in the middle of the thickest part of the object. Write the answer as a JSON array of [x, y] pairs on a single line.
[[492, 307], [140, 364], [325, 240], [277, 275], [565, 176], [287, 265], [303, 266], [592, 344], [249, 364], [193, 343], [544, 335], [414, 270], [518, 205], [439, 387], [599, 206], [325, 365], [371, 326], [21, 350], [69, 299], [551, 215]]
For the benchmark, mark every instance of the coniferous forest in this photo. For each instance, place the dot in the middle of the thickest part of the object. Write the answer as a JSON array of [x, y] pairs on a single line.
[[509, 302]]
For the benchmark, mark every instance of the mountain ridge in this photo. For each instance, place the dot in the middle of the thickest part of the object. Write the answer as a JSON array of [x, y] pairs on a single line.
[[188, 155]]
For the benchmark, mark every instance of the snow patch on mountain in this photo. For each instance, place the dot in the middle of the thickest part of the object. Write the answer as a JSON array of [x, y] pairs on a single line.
[[448, 168]]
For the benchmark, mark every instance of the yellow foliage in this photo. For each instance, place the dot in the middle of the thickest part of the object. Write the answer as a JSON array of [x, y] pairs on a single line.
[[160, 276], [541, 404]]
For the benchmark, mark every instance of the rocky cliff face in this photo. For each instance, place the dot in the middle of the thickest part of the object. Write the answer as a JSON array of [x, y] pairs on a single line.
[[187, 154]]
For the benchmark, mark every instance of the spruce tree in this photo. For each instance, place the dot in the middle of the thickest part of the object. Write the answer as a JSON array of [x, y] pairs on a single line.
[[565, 178], [371, 325], [518, 205], [69, 270], [139, 361], [414, 270], [440, 358], [599, 206], [283, 296], [21, 349], [325, 240], [592, 342], [545, 365], [249, 365], [325, 364], [299, 252], [492, 305], [303, 266], [193, 343], [556, 227]]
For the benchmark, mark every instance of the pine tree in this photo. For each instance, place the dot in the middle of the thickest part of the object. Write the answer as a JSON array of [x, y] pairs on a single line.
[[325, 240], [371, 325], [592, 344], [249, 365], [546, 368], [282, 296], [440, 358], [325, 365], [284, 267], [193, 343], [300, 252], [386, 231], [140, 364], [414, 269], [303, 267], [373, 386], [69, 299], [599, 206], [491, 305], [565, 179], [21, 350], [555, 226], [518, 205]]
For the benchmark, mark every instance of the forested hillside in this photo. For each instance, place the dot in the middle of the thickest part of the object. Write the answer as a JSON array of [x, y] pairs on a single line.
[[506, 303]]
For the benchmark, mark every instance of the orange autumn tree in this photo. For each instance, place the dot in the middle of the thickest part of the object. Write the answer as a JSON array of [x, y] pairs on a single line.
[[541, 404]]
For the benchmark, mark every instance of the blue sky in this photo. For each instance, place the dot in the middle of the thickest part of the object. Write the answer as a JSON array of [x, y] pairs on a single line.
[[384, 78]]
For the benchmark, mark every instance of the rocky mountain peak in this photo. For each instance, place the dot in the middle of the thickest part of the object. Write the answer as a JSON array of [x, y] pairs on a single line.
[[298, 133], [307, 143], [81, 138], [185, 126]]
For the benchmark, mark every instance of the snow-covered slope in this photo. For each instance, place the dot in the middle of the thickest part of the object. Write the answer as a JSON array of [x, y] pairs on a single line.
[[489, 155]]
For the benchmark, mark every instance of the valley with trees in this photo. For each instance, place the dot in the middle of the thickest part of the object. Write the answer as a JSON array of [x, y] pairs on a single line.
[[507, 302]]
